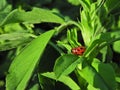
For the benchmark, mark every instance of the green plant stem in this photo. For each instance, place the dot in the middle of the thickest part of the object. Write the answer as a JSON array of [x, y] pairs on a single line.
[[98, 47], [105, 44], [54, 46]]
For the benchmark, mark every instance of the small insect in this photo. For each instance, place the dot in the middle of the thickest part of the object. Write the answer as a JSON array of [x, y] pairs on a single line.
[[78, 50]]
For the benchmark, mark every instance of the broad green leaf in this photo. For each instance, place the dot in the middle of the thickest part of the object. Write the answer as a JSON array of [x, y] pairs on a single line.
[[106, 71], [66, 64], [93, 78], [23, 65], [13, 40], [64, 79], [37, 15], [99, 75]]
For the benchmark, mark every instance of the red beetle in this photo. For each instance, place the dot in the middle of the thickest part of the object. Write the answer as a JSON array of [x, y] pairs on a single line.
[[78, 50]]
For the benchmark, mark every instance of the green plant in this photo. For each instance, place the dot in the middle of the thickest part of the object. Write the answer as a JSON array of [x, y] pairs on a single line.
[[32, 66]]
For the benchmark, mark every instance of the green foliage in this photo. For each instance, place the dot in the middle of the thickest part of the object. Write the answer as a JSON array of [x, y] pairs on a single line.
[[24, 64], [97, 76], [109, 76], [37, 15], [112, 5], [64, 79], [116, 46], [4, 6], [13, 40], [26, 28], [74, 2], [66, 64]]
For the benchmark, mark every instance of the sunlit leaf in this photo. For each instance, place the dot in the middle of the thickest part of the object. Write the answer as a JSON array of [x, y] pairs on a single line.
[[66, 64], [4, 6], [23, 65], [106, 71], [116, 46], [35, 87], [37, 15], [100, 76], [13, 40], [74, 2]]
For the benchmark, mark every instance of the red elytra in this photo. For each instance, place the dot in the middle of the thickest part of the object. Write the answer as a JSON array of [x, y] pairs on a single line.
[[78, 50]]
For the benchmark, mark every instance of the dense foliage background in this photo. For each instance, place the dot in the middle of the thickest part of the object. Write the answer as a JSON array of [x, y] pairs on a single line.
[[37, 36]]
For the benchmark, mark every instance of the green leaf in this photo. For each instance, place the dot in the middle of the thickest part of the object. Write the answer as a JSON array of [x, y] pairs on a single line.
[[72, 44], [118, 79], [23, 65], [2, 16], [74, 2], [67, 46], [37, 15], [64, 79], [66, 64], [35, 87], [85, 4], [90, 23], [107, 73], [2, 4], [93, 78], [100, 76], [17, 27], [101, 41], [112, 4], [72, 38], [13, 40], [90, 87], [116, 46], [4, 7]]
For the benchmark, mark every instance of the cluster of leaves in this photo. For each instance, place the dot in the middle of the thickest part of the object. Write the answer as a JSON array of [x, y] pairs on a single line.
[[36, 61]]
